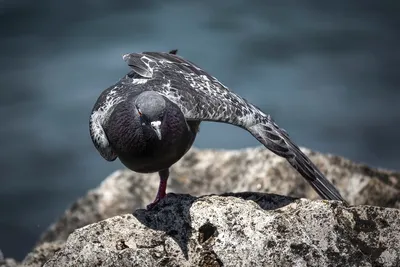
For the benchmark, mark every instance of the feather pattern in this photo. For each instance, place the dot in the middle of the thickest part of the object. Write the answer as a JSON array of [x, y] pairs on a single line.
[[201, 97]]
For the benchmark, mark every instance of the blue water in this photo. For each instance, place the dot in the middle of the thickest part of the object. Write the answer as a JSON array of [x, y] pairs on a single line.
[[328, 72]]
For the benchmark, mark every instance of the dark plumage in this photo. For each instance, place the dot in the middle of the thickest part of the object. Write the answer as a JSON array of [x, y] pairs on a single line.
[[150, 117], [138, 146]]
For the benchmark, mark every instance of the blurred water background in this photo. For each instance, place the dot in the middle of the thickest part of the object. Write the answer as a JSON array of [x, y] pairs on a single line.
[[328, 72]]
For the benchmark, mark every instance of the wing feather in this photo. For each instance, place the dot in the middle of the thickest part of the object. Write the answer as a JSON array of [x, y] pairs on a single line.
[[276, 140], [199, 95], [202, 97]]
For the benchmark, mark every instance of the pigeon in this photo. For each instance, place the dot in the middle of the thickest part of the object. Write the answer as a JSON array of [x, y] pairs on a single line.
[[150, 118]]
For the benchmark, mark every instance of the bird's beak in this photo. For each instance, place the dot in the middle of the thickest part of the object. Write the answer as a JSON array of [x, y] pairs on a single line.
[[156, 125]]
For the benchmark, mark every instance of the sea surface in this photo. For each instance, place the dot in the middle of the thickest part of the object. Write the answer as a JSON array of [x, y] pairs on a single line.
[[327, 71]]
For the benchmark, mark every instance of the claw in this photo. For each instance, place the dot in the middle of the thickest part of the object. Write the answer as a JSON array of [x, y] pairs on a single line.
[[153, 204]]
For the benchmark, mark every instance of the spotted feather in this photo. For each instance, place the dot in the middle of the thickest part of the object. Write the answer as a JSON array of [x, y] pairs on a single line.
[[201, 97]]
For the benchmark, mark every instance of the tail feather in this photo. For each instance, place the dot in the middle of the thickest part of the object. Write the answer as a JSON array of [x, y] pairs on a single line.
[[278, 141], [313, 176]]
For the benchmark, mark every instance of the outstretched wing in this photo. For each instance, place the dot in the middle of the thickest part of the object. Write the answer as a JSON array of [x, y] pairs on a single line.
[[202, 97], [199, 95]]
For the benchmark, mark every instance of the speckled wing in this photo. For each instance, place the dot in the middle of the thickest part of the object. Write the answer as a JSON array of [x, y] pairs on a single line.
[[202, 97], [199, 95]]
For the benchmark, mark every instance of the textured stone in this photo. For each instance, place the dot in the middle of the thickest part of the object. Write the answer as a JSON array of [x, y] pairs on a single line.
[[231, 230], [7, 262], [203, 172], [42, 253]]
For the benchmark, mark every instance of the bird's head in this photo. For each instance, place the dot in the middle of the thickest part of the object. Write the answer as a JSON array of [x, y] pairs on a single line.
[[150, 107]]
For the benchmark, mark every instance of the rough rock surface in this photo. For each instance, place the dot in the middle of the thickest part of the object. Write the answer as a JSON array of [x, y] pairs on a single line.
[[203, 172], [42, 253], [233, 231], [7, 262], [213, 172]]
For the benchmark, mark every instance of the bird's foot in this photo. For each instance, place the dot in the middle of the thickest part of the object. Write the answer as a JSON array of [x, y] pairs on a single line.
[[154, 203]]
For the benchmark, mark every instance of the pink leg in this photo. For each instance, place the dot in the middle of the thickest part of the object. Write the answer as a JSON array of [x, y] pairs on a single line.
[[161, 188]]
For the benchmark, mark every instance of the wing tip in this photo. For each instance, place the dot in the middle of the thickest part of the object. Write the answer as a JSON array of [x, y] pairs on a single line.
[[278, 141], [125, 57]]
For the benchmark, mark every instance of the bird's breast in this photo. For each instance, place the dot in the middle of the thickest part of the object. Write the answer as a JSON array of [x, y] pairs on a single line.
[[149, 154]]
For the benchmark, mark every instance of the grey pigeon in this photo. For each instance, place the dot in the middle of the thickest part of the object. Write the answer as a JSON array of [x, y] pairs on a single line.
[[149, 119]]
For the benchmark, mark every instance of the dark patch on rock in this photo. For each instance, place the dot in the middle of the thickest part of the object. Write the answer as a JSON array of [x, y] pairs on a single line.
[[362, 225], [371, 250], [300, 249], [206, 231], [210, 259], [121, 245], [271, 244]]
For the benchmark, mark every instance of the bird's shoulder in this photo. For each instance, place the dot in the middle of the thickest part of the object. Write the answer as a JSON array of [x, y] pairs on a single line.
[[174, 76], [170, 70]]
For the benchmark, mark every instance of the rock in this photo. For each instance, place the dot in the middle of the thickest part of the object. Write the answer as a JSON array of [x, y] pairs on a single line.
[[203, 172], [268, 230], [42, 253], [7, 262]]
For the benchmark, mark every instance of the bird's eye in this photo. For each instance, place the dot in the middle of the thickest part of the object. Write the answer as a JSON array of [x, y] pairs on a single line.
[[143, 118]]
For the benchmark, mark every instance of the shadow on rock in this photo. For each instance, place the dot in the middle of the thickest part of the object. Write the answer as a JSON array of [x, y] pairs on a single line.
[[172, 215]]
